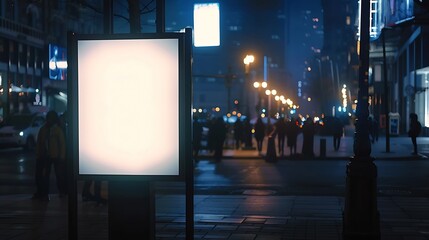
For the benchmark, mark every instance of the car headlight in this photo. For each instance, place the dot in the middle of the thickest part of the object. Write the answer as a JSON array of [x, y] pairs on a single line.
[[21, 133]]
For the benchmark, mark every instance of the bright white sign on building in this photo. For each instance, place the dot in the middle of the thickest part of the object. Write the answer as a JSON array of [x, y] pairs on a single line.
[[206, 25]]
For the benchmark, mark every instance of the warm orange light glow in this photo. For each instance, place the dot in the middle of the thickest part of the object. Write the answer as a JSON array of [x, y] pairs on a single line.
[[256, 84]]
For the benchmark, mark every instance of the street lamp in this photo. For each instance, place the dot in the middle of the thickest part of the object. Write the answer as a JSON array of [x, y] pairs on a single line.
[[247, 61], [361, 219], [270, 93], [277, 98], [259, 86]]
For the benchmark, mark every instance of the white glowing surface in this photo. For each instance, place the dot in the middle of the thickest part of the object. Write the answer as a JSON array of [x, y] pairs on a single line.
[[128, 107], [206, 24]]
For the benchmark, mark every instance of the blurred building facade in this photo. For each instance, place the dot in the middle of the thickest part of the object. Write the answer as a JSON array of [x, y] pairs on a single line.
[[27, 29], [283, 41], [244, 32], [304, 42], [334, 70], [403, 28]]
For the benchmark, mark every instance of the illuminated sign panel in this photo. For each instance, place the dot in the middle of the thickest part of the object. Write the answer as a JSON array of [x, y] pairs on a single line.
[[57, 62], [206, 25], [128, 101]]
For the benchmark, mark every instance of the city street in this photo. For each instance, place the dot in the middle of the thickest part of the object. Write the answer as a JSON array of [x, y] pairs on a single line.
[[252, 176], [237, 198]]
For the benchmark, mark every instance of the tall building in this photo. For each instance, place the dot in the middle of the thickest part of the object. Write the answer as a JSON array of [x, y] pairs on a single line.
[[335, 69], [304, 40], [33, 32], [246, 27], [29, 33]]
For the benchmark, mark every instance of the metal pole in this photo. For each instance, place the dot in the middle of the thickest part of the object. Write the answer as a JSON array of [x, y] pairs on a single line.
[[386, 92], [134, 11], [361, 216], [189, 167], [160, 16], [70, 141], [108, 16]]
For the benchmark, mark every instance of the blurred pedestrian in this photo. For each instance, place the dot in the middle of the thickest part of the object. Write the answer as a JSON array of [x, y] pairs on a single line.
[[414, 131], [280, 126], [308, 130], [211, 135], [337, 129], [50, 150], [373, 129], [247, 134], [292, 130], [197, 134], [259, 128], [238, 133], [219, 130], [63, 124]]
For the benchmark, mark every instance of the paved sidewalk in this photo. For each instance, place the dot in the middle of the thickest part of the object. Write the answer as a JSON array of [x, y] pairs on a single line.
[[218, 217], [251, 215], [400, 148]]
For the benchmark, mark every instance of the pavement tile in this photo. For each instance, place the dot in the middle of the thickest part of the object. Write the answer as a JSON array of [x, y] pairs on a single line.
[[217, 236], [276, 221], [254, 220], [272, 229], [268, 237], [203, 227], [226, 228], [249, 228], [179, 220], [174, 227], [242, 236], [236, 220]]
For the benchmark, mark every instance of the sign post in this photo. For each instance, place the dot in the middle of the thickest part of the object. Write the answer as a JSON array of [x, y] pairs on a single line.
[[143, 132]]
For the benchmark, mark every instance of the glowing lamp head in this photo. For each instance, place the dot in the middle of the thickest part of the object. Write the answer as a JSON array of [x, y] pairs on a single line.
[[256, 84]]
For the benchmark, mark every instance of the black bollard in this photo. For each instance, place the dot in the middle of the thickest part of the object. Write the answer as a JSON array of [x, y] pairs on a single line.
[[322, 148]]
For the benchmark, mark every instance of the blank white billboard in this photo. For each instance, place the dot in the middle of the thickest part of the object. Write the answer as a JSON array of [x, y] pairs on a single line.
[[206, 24], [128, 107]]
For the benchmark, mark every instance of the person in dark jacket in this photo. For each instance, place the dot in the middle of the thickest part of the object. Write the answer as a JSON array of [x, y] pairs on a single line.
[[308, 130], [50, 150], [211, 135], [259, 128], [219, 130], [373, 128], [292, 131], [414, 131], [281, 134], [337, 132], [197, 135], [238, 133], [247, 133]]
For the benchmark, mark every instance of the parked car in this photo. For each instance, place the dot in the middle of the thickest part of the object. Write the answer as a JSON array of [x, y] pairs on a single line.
[[20, 130]]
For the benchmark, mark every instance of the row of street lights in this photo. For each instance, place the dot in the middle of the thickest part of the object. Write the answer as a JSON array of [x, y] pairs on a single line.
[[271, 92], [260, 86]]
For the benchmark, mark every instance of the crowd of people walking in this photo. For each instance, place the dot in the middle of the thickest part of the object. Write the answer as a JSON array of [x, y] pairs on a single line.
[[284, 130]]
